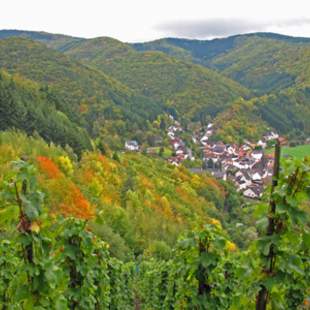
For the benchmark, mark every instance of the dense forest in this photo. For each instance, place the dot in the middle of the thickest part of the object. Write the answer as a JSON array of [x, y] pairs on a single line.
[[102, 80], [89, 98], [87, 224], [265, 63]]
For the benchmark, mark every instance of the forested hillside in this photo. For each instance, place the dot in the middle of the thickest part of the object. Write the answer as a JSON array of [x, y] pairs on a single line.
[[286, 111], [263, 62], [26, 106], [101, 233], [88, 221], [188, 88], [88, 97], [206, 52], [241, 120], [145, 79], [56, 41], [266, 65], [74, 82], [136, 203]]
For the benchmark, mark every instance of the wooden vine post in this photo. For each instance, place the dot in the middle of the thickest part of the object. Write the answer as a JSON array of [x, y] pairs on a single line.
[[203, 287], [263, 295]]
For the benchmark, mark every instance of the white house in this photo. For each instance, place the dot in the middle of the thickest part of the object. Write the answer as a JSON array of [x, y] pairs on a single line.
[[171, 134], [262, 144], [204, 140], [132, 145], [271, 136], [258, 155], [256, 177], [249, 192], [180, 151]]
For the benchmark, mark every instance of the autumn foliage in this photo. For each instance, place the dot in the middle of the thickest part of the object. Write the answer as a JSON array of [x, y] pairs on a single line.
[[48, 167], [66, 197], [74, 203], [139, 199]]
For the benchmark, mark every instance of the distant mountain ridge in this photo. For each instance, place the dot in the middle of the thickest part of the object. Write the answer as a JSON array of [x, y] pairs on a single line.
[[200, 49], [187, 87], [192, 78], [56, 41]]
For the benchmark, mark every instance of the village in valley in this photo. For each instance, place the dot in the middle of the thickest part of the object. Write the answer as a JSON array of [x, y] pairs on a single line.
[[248, 166]]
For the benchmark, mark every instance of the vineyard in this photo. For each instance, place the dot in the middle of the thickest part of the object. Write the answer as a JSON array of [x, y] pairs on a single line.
[[48, 261]]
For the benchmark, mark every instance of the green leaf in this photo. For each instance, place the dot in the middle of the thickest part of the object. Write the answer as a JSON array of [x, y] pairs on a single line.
[[22, 293]]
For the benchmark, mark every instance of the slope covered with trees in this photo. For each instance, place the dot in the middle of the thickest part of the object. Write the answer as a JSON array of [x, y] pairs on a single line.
[[56, 41], [266, 65], [54, 255], [160, 76], [188, 88], [26, 106], [206, 52], [137, 203], [263, 62], [242, 120], [88, 97], [73, 82], [286, 111]]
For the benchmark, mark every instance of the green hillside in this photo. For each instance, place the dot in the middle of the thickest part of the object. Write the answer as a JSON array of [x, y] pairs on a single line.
[[188, 88], [85, 95], [26, 106], [280, 67], [266, 65], [197, 51], [242, 120], [56, 41], [287, 111], [205, 51], [98, 50], [72, 81], [261, 61], [135, 83], [137, 203]]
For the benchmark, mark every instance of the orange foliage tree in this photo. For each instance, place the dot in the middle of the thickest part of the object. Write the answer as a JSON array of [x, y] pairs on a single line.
[[75, 204], [65, 197], [48, 167]]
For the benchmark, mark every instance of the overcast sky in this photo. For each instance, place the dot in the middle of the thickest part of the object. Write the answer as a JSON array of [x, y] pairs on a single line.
[[143, 20]]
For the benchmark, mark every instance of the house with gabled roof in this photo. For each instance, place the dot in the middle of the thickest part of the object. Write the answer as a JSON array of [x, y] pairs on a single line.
[[253, 192], [132, 145]]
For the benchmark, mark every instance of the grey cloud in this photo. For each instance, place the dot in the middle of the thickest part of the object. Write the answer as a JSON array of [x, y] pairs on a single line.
[[220, 27]]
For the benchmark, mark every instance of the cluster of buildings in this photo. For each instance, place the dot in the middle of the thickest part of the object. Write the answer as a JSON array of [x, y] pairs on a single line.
[[203, 139], [181, 152], [247, 166]]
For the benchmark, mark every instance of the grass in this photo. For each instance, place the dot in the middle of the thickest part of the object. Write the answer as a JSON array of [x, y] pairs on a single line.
[[299, 151], [167, 151]]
